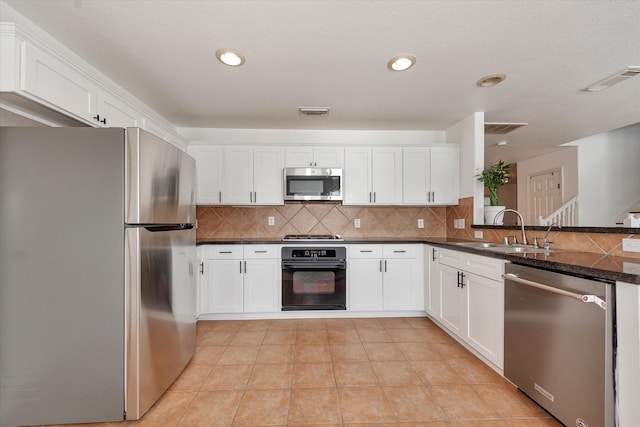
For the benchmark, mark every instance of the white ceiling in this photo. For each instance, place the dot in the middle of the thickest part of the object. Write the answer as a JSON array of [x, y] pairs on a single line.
[[334, 54]]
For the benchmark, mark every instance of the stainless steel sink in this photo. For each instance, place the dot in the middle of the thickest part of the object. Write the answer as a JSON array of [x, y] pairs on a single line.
[[520, 249], [480, 245], [506, 249]]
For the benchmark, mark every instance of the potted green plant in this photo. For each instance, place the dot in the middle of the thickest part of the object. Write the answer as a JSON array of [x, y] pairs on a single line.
[[493, 177]]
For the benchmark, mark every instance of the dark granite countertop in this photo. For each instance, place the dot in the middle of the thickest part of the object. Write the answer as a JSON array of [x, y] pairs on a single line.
[[585, 264]]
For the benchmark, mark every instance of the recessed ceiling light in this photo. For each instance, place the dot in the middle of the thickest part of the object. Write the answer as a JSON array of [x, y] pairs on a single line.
[[229, 57], [491, 80], [401, 62]]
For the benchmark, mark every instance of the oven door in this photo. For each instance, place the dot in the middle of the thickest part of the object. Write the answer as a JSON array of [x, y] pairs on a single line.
[[311, 285]]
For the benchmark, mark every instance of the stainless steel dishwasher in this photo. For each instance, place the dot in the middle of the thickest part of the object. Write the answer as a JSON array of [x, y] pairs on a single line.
[[559, 343]]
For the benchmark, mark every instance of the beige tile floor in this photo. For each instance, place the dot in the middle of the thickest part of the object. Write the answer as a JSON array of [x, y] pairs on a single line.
[[338, 372]]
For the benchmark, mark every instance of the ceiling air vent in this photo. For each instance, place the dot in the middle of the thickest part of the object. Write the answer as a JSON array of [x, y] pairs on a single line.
[[618, 77], [313, 111], [499, 128]]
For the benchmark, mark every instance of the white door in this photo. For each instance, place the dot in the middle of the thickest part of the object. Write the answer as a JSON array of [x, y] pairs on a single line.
[[485, 331], [328, 157], [365, 284], [453, 301], [238, 176], [225, 286], [267, 176], [387, 176], [399, 283], [357, 176], [545, 194], [208, 174], [262, 285], [445, 175], [416, 176], [298, 157]]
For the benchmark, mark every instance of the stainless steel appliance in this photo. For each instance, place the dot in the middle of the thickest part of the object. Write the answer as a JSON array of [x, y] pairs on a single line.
[[97, 284], [312, 237], [314, 278], [559, 342], [313, 184]]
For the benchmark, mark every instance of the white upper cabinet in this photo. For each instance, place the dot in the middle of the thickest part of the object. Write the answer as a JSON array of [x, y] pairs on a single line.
[[431, 175], [252, 176], [58, 85], [70, 89], [373, 176], [321, 157], [114, 112], [208, 173]]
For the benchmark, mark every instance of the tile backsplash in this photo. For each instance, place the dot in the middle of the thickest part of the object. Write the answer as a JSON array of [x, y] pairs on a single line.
[[232, 222], [216, 222]]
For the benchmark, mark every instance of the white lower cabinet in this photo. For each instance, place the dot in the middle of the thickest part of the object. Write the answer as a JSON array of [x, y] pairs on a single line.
[[241, 279], [466, 295], [385, 277]]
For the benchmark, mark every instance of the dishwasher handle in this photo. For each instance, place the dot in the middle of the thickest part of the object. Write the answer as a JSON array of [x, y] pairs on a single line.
[[583, 298]]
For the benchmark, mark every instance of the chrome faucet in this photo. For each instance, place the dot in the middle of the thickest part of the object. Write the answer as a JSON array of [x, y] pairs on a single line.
[[544, 239], [524, 236]]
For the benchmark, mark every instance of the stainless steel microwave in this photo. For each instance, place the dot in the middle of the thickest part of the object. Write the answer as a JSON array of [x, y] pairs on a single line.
[[312, 184]]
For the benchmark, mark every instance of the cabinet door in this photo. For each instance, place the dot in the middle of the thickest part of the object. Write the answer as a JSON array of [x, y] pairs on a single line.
[[298, 157], [262, 283], [387, 176], [416, 176], [267, 176], [432, 290], [238, 176], [485, 331], [399, 285], [453, 302], [208, 174], [445, 176], [57, 84], [365, 284], [357, 176], [328, 157], [115, 112], [224, 286]]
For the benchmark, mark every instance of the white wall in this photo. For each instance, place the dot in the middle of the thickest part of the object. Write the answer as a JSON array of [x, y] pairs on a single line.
[[309, 137], [609, 175], [565, 159], [469, 134]]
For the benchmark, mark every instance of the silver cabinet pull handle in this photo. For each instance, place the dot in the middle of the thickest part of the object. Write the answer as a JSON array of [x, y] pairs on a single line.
[[433, 256], [380, 266], [399, 252], [220, 196], [583, 298], [369, 196], [259, 252], [225, 252], [240, 267], [255, 197], [250, 197], [365, 251], [385, 265], [245, 267]]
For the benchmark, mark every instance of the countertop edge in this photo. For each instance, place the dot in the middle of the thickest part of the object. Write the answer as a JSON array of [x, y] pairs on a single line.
[[590, 271]]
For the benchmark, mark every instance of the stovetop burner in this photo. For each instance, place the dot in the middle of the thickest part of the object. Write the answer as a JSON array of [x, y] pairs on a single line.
[[312, 237]]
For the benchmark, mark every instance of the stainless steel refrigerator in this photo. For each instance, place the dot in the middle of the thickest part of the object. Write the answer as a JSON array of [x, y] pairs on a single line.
[[97, 281]]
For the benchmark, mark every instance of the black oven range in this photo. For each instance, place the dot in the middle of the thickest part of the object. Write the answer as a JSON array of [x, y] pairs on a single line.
[[314, 278]]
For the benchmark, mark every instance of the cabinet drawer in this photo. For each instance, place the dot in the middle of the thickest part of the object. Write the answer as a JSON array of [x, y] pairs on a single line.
[[365, 251], [225, 252], [261, 251], [401, 251], [451, 258], [490, 268]]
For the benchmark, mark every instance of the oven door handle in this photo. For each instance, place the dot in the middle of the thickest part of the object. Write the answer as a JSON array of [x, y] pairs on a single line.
[[584, 298], [313, 266]]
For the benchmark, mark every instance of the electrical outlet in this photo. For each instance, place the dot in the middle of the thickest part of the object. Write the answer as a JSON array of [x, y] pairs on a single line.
[[631, 245], [356, 223], [478, 234], [461, 223], [271, 220], [421, 223]]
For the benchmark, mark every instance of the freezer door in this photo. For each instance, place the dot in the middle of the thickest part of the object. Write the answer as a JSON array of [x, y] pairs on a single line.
[[160, 181], [161, 308], [61, 275]]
